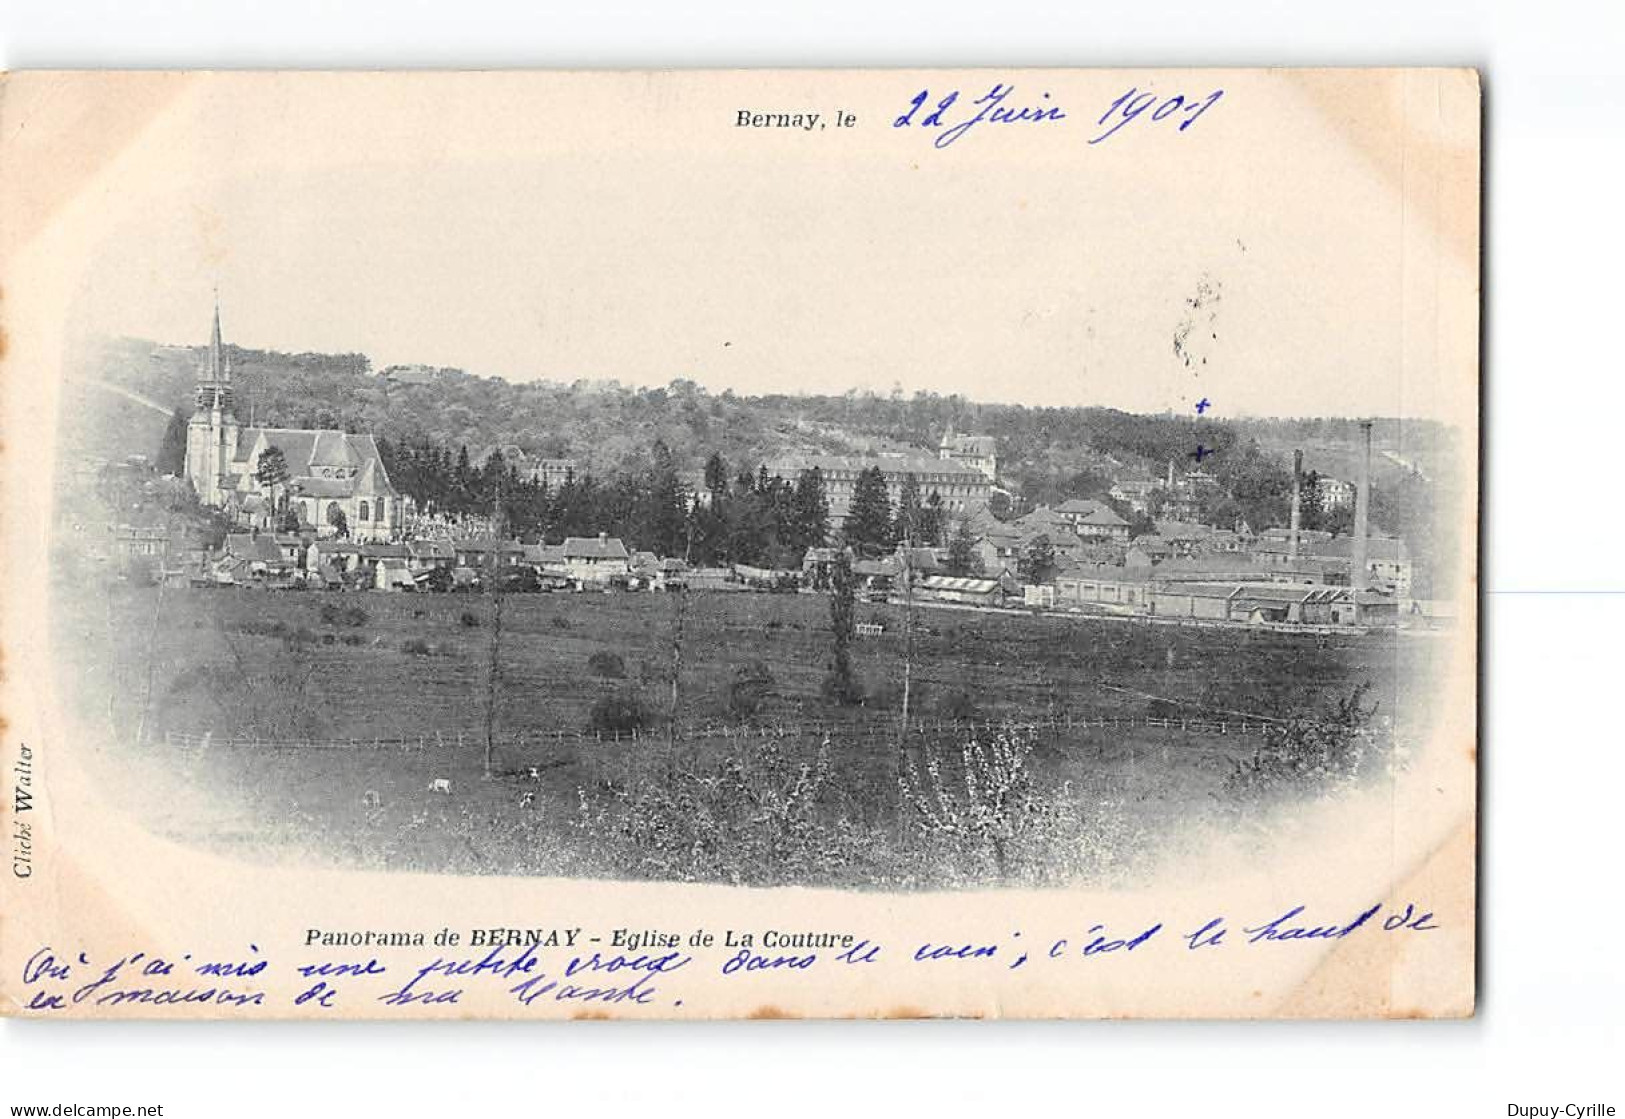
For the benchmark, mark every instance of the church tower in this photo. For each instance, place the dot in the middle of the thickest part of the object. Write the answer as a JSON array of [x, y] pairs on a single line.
[[211, 435]]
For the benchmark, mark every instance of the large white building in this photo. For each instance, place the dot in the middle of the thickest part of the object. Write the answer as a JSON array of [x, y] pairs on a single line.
[[978, 451], [335, 480], [961, 488]]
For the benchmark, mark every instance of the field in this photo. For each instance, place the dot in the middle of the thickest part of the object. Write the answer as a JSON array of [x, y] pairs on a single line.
[[218, 684]]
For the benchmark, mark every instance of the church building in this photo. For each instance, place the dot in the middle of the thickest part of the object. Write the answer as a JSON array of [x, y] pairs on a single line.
[[334, 481]]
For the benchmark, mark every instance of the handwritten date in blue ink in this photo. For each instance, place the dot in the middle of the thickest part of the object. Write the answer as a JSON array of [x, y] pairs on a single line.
[[1134, 104], [990, 108]]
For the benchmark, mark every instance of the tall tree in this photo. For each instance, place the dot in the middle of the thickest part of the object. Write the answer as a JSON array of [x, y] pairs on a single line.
[[662, 512], [172, 448], [909, 511], [1036, 564], [842, 603], [272, 473], [716, 475], [810, 511], [962, 557], [933, 521], [868, 527]]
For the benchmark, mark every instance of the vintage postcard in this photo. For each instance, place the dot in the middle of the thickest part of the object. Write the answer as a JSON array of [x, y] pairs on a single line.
[[739, 544]]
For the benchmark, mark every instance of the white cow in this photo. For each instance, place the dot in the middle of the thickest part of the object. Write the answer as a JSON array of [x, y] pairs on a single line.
[[440, 785]]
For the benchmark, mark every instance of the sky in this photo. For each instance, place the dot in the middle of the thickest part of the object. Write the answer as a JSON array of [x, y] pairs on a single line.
[[625, 227]]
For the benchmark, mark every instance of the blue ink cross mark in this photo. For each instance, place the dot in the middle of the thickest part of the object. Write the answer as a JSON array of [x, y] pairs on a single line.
[[1200, 453], [1203, 405]]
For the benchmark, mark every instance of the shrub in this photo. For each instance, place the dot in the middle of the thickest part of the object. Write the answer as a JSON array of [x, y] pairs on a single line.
[[353, 639], [608, 665], [842, 689], [620, 712], [958, 705], [1308, 752], [559, 621], [757, 815], [334, 615], [752, 683], [983, 808], [415, 646], [469, 619], [885, 696]]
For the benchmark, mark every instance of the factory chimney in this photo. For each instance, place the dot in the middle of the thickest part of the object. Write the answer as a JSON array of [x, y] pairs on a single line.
[[1362, 512], [1297, 503]]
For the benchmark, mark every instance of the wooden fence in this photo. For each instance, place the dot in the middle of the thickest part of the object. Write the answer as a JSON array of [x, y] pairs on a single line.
[[886, 730]]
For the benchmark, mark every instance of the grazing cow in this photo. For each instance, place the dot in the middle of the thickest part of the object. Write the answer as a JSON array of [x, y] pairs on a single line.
[[371, 799], [527, 800], [440, 785], [534, 774]]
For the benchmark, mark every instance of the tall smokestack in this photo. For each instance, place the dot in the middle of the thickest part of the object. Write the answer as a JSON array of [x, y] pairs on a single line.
[[1362, 511], [1170, 473], [1297, 502]]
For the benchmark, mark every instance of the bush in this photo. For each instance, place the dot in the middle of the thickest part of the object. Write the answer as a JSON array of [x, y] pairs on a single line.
[[959, 706], [843, 690], [608, 665], [763, 813], [334, 615], [752, 684], [415, 646], [885, 696], [558, 621], [1309, 753], [469, 619], [620, 712], [353, 639]]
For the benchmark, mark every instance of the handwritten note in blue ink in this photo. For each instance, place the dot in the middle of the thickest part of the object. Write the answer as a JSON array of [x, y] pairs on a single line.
[[1133, 104], [550, 970], [950, 117], [989, 108]]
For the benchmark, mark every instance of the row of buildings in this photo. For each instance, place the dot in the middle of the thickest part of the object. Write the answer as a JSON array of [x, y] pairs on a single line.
[[287, 559]]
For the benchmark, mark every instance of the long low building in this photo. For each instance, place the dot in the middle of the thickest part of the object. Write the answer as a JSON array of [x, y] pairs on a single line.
[[1300, 604], [961, 487]]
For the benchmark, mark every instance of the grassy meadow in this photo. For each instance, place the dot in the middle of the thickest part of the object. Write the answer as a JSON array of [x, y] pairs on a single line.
[[334, 667]]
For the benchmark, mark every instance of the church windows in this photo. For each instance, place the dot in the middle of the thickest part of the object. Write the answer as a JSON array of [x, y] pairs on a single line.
[[365, 514]]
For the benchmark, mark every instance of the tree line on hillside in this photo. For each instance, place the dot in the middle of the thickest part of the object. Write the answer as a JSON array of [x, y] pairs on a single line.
[[1046, 455], [748, 516], [609, 427]]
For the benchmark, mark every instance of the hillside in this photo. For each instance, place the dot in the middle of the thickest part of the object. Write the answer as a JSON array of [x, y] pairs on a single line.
[[1046, 454], [607, 426]]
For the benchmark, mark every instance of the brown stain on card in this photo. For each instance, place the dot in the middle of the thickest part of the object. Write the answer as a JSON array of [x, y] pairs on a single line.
[[1425, 147], [61, 130]]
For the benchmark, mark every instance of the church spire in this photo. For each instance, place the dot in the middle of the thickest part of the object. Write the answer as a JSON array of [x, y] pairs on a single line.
[[219, 370], [214, 378]]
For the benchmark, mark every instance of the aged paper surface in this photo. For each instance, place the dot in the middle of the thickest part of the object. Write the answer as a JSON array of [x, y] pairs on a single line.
[[748, 544]]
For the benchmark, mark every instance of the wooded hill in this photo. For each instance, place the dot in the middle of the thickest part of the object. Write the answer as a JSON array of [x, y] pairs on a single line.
[[1046, 454]]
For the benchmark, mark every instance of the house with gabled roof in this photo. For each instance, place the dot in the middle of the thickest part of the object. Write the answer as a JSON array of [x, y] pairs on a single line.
[[1093, 520], [596, 559]]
